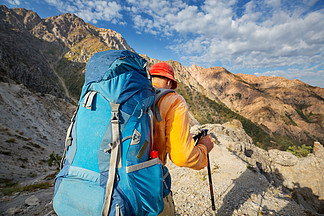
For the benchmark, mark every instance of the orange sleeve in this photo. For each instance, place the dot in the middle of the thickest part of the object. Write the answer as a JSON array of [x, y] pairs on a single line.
[[179, 142]]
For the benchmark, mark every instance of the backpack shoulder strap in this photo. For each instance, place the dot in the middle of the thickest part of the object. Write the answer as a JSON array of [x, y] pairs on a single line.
[[158, 94]]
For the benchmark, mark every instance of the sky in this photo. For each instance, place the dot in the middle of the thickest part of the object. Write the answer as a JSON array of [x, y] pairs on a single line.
[[261, 37]]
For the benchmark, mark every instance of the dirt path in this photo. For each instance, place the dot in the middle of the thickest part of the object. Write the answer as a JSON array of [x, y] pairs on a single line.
[[60, 79]]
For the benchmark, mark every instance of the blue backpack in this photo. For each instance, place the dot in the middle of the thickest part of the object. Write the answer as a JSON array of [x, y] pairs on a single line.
[[107, 169]]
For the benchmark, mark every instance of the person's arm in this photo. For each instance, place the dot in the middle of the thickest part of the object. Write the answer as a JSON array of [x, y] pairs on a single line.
[[180, 144]]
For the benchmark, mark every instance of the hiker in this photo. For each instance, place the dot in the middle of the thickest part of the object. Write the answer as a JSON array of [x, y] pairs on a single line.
[[107, 167], [172, 135]]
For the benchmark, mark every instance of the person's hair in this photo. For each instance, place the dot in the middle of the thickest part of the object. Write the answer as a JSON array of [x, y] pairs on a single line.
[[161, 78]]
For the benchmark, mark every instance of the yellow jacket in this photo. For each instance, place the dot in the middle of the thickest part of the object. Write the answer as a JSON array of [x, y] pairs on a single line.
[[172, 134]]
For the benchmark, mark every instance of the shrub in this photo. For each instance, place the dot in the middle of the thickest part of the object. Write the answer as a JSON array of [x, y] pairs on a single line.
[[12, 140], [23, 159], [14, 187], [28, 148], [291, 121], [253, 169], [34, 145], [51, 176], [300, 151], [32, 175], [8, 153], [54, 159]]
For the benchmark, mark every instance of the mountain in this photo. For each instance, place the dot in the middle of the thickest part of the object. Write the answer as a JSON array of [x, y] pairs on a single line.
[[49, 55], [21, 56], [42, 64], [281, 107]]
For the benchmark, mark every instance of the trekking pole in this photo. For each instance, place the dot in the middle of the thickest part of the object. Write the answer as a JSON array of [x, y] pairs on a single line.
[[197, 138]]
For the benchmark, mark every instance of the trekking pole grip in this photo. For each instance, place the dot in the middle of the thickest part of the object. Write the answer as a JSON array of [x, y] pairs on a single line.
[[203, 132]]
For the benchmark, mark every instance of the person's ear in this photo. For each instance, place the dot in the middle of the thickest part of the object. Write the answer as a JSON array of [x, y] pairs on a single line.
[[169, 83]]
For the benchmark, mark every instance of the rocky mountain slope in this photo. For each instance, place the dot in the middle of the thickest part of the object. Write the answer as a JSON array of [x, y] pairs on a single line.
[[289, 111], [32, 132], [48, 54], [281, 107], [21, 57]]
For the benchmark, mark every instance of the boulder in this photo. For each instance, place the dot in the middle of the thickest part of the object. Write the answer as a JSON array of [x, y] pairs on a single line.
[[32, 201], [318, 150], [282, 158], [13, 211]]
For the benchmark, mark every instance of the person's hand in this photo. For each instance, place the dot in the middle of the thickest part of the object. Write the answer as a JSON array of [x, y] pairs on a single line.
[[207, 141]]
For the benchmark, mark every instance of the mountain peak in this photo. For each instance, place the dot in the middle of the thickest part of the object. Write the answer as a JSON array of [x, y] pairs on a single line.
[[66, 18], [21, 18]]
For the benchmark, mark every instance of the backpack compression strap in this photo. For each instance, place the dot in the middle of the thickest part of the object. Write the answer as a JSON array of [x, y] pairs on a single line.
[[115, 158], [68, 139]]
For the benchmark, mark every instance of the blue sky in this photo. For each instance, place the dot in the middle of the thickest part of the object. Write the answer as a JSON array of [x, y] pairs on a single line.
[[261, 37]]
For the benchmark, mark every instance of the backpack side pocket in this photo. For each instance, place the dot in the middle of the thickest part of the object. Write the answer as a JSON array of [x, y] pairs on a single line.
[[147, 178]]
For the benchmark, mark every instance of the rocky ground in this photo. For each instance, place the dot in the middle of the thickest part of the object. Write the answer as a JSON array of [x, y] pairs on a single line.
[[27, 168], [239, 189], [32, 131]]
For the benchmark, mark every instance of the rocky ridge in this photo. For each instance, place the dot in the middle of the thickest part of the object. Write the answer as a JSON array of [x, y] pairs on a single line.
[[280, 106], [302, 178]]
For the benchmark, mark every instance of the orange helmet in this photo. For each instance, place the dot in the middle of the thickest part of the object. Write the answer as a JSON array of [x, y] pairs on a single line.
[[165, 70]]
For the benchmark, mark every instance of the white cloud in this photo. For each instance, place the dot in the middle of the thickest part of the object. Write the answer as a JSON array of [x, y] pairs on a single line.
[[270, 35], [277, 41], [91, 10], [13, 2]]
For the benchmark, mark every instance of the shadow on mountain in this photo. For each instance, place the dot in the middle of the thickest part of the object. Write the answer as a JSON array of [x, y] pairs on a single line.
[[245, 189], [37, 63], [23, 60], [305, 197]]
